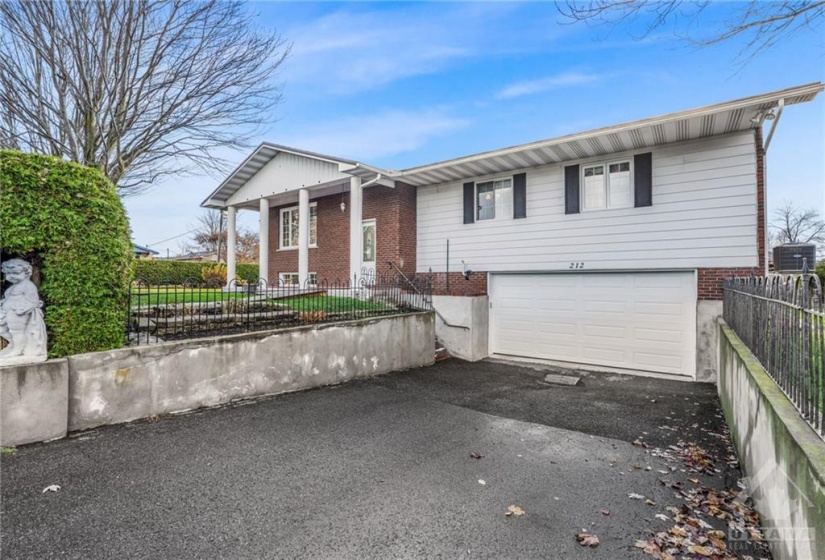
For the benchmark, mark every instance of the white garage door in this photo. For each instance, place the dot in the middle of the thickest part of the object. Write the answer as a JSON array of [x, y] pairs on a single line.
[[640, 321]]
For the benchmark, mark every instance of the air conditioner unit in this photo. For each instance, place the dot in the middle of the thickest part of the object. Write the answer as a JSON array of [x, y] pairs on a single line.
[[788, 258]]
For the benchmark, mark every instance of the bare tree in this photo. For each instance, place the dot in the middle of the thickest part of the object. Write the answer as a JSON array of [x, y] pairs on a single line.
[[139, 89], [795, 225], [184, 248], [247, 246], [210, 235], [764, 23]]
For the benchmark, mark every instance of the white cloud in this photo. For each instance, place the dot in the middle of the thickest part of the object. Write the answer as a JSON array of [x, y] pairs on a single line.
[[531, 87], [377, 135], [355, 49]]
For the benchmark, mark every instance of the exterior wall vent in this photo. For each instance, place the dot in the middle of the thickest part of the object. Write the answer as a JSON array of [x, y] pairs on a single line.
[[788, 258]]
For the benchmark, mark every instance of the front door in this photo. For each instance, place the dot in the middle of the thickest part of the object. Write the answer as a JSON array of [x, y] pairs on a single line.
[[369, 248]]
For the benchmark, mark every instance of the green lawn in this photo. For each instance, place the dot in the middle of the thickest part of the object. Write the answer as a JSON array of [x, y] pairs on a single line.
[[163, 296], [332, 304]]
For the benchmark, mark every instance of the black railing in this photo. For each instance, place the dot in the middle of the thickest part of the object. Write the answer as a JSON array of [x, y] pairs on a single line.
[[781, 320], [166, 312]]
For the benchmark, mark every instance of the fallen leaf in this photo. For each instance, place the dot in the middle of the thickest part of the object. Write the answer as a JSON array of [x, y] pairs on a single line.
[[662, 516], [635, 496], [514, 511], [694, 480], [605, 511], [650, 502], [476, 455], [649, 547], [701, 550], [52, 488], [586, 539]]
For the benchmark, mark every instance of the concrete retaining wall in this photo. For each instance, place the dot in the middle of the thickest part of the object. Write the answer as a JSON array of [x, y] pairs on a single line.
[[467, 339], [783, 457], [34, 402], [41, 401], [707, 339]]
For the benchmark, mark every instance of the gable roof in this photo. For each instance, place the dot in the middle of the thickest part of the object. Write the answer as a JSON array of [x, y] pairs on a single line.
[[262, 155]]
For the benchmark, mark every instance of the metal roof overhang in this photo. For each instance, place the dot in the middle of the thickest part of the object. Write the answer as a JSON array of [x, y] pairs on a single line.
[[712, 120]]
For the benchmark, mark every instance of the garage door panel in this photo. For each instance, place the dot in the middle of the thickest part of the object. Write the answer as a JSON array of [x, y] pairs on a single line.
[[659, 335], [604, 331], [656, 361], [643, 321]]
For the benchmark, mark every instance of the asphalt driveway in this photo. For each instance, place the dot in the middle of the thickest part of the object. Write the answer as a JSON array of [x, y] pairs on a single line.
[[373, 469]]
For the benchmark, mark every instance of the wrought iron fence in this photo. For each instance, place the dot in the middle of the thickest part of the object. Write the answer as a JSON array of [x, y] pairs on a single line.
[[781, 320], [165, 312]]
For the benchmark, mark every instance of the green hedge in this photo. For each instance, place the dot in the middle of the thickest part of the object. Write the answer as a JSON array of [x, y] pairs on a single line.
[[179, 272], [820, 271], [68, 219]]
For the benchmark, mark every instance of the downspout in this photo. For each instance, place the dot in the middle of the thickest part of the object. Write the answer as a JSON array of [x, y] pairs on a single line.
[[781, 106], [372, 181], [773, 126]]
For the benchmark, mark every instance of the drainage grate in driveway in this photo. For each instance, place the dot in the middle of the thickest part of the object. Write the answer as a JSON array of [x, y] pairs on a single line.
[[556, 379]]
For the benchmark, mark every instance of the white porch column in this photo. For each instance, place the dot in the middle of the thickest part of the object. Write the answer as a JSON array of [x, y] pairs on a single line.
[[263, 242], [356, 234], [230, 244], [303, 236]]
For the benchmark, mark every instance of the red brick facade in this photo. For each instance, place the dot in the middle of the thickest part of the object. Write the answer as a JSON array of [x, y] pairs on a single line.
[[710, 279], [475, 285], [394, 213]]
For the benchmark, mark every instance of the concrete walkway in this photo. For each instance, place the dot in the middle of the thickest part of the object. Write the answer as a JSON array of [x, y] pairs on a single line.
[[373, 469]]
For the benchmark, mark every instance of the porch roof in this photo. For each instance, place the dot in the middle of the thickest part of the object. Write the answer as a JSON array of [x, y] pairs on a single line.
[[262, 155]]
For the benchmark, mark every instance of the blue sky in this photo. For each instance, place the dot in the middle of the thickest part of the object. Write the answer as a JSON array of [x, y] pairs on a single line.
[[400, 84]]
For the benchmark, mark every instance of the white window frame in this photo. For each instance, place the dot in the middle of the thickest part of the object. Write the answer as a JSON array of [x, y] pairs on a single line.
[[313, 278], [285, 211], [606, 167], [498, 217]]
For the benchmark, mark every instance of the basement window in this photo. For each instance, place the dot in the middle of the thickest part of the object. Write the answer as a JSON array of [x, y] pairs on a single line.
[[290, 279]]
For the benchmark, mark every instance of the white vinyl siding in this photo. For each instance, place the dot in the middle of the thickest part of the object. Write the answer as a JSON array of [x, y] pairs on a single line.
[[703, 215], [286, 172]]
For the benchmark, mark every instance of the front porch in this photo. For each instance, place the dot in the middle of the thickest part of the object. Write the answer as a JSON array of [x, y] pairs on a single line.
[[285, 186]]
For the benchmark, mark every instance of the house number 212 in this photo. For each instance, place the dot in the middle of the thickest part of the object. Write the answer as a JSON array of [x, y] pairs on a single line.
[[577, 265]]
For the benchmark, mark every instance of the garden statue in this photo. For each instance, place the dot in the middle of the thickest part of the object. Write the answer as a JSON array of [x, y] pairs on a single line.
[[21, 316]]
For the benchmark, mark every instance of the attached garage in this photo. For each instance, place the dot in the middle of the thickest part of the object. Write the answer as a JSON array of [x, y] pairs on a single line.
[[641, 321]]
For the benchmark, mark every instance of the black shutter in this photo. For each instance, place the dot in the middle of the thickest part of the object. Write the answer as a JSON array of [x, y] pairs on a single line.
[[571, 189], [643, 179], [520, 196], [469, 203]]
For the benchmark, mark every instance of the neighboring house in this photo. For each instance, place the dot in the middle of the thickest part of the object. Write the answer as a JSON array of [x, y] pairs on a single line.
[[605, 248], [196, 256], [142, 252]]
